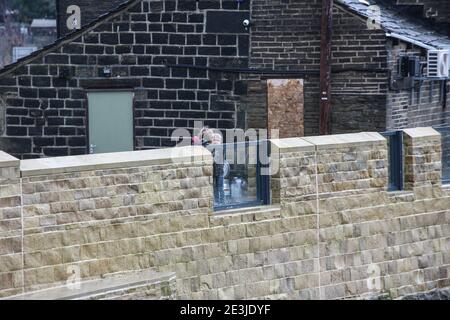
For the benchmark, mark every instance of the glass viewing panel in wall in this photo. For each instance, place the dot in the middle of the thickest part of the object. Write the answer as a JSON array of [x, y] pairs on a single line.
[[237, 175], [445, 136]]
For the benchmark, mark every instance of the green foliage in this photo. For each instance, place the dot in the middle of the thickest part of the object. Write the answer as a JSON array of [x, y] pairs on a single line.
[[33, 9]]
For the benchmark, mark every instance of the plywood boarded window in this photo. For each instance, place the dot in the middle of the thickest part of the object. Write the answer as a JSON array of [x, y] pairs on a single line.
[[285, 104]]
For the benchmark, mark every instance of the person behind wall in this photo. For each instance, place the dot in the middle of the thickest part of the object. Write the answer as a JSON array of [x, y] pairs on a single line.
[[212, 142]]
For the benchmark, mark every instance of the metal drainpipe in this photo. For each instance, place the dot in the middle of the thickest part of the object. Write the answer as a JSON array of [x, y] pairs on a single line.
[[325, 67]]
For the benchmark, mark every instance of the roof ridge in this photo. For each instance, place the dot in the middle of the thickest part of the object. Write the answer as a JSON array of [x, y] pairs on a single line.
[[127, 4]]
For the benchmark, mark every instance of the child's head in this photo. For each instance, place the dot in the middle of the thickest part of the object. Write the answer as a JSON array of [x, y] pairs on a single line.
[[208, 135], [216, 138]]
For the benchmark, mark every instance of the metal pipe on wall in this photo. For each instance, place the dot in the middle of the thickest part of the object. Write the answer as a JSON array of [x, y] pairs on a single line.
[[325, 67]]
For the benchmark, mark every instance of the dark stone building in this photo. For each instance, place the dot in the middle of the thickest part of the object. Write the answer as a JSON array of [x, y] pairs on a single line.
[[367, 91], [181, 61], [131, 48]]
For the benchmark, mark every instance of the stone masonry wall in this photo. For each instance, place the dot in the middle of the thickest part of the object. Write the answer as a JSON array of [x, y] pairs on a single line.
[[11, 264], [402, 237], [103, 221], [46, 96], [423, 154], [332, 226], [414, 104], [285, 36]]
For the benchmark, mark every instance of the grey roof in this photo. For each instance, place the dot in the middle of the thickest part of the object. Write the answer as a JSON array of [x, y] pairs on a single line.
[[399, 25], [43, 23]]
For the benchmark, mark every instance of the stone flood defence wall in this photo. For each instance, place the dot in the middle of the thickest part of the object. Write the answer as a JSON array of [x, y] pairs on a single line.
[[332, 232]]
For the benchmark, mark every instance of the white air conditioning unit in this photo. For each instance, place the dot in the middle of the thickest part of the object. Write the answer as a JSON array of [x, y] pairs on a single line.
[[438, 63]]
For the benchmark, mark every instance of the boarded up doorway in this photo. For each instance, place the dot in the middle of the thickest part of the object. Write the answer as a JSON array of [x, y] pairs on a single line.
[[285, 107]]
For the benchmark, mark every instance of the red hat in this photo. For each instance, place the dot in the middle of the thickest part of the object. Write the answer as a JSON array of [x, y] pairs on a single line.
[[196, 140]]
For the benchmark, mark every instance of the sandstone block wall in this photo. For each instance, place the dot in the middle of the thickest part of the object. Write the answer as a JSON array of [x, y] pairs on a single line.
[[102, 220], [10, 226], [396, 241], [423, 156], [333, 231]]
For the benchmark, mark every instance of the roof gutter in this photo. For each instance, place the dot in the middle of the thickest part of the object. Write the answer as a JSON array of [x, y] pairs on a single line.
[[412, 41]]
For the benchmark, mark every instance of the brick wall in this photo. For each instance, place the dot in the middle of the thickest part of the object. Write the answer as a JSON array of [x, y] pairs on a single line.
[[286, 36], [46, 110], [331, 223]]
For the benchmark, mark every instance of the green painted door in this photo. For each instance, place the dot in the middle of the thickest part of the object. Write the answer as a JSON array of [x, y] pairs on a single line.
[[110, 122]]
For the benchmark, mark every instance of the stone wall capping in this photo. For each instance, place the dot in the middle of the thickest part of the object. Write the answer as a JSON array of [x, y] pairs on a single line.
[[331, 141], [7, 160], [45, 166], [424, 132], [292, 145], [91, 288]]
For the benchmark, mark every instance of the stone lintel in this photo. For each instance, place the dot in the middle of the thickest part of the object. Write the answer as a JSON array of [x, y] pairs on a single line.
[[45, 166]]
